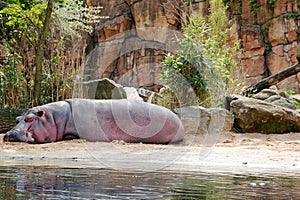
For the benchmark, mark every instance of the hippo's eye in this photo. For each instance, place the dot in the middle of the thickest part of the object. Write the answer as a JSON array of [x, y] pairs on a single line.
[[39, 113], [29, 118]]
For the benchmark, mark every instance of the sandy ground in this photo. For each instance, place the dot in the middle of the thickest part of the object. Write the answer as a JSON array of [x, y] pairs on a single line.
[[231, 152]]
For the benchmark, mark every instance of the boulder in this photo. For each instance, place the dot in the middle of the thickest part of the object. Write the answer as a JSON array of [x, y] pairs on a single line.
[[132, 93], [108, 89], [276, 97], [281, 101], [103, 89], [253, 115], [197, 119]]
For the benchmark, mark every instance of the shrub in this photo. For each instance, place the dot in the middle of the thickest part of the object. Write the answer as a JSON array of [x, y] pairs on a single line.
[[205, 60], [20, 24]]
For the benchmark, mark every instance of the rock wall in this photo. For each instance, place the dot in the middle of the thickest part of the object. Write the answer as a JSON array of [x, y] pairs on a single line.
[[129, 46], [269, 31], [128, 50]]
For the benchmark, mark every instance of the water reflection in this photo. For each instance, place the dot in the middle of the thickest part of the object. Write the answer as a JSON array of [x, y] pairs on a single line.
[[62, 183]]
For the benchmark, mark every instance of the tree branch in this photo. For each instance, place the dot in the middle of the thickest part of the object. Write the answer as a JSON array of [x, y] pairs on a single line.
[[272, 80], [40, 53]]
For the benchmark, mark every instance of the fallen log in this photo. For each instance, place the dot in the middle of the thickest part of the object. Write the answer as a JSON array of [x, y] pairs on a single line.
[[272, 80]]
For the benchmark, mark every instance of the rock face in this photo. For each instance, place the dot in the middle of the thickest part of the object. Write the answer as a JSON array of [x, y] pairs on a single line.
[[269, 33], [253, 115], [128, 46]]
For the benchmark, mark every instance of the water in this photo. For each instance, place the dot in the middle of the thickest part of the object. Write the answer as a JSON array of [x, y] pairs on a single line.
[[64, 183]]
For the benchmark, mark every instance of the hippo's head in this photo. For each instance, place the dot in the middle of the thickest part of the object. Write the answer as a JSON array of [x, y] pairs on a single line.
[[35, 126]]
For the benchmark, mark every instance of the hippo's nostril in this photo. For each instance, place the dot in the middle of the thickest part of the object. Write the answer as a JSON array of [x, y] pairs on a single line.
[[9, 137], [6, 138], [13, 136]]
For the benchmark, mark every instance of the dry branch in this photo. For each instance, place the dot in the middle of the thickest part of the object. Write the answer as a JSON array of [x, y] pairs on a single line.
[[272, 80]]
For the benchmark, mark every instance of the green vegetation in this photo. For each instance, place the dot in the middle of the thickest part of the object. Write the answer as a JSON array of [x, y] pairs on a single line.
[[254, 6], [22, 23], [297, 103], [291, 92], [272, 4], [206, 62], [291, 15]]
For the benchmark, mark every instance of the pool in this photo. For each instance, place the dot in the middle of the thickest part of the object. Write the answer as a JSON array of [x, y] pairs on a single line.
[[25, 182]]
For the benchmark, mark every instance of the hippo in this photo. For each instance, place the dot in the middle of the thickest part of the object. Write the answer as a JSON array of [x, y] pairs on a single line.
[[131, 121]]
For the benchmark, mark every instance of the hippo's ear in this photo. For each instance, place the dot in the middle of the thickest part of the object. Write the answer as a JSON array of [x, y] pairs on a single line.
[[40, 113], [18, 119]]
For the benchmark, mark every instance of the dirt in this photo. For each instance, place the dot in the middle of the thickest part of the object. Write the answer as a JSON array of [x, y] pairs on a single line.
[[231, 152]]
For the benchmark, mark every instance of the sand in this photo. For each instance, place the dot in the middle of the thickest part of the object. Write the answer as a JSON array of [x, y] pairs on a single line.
[[230, 153]]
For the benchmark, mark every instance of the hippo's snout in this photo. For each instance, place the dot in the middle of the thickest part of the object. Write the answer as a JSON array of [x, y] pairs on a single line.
[[13, 136]]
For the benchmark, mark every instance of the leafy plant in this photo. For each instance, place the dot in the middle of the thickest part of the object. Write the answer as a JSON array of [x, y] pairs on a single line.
[[20, 24], [288, 91], [272, 3], [178, 72], [205, 59], [77, 17], [254, 6]]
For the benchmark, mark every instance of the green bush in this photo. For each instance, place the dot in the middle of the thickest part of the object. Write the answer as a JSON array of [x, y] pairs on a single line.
[[205, 60], [21, 22]]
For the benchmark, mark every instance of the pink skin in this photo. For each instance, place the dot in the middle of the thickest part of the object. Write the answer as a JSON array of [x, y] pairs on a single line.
[[42, 124], [97, 120], [28, 133], [36, 128], [40, 129]]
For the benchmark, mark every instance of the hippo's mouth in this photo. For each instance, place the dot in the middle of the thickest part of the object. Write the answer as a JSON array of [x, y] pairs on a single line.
[[29, 137], [19, 136]]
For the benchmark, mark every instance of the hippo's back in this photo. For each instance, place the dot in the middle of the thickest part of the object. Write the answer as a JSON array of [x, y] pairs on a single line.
[[127, 120]]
